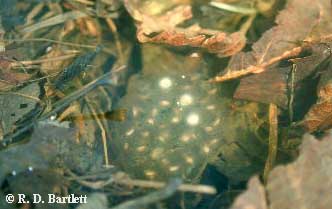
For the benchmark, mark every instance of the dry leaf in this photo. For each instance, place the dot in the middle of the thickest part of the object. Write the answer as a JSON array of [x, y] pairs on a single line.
[[253, 197], [54, 66], [299, 21], [164, 29], [319, 117], [9, 79], [41, 182], [273, 85], [305, 183], [52, 144], [17, 106], [267, 87]]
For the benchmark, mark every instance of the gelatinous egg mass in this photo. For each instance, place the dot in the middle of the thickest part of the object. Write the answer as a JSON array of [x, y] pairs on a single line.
[[177, 121]]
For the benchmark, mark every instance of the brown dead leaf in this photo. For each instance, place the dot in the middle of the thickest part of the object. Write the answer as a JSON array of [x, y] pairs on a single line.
[[319, 116], [274, 84], [267, 87], [164, 29], [305, 183], [38, 181], [253, 198], [9, 79], [301, 20], [54, 66], [52, 145]]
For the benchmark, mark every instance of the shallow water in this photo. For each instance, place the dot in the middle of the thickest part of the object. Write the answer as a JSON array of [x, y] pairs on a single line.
[[177, 121]]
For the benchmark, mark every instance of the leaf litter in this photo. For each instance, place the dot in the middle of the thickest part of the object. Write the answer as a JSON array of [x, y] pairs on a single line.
[[291, 57], [304, 183], [284, 40], [164, 30]]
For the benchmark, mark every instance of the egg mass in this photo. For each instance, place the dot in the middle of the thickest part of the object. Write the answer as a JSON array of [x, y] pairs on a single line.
[[177, 121]]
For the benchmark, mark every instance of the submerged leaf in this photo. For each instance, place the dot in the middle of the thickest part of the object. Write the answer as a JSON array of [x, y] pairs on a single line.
[[52, 145], [296, 23], [277, 83], [16, 106], [41, 182], [319, 116], [164, 29], [253, 198], [267, 87], [305, 183]]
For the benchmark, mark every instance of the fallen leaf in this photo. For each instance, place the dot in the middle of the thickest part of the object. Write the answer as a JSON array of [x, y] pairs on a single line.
[[274, 84], [38, 153], [319, 117], [267, 87], [15, 106], [253, 197], [305, 183], [52, 145], [9, 79], [297, 23], [164, 29], [41, 182]]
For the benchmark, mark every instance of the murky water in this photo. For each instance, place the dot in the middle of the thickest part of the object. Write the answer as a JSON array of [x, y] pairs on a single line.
[[178, 121]]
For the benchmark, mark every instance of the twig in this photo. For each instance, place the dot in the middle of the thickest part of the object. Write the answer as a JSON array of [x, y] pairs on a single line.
[[259, 68], [34, 12], [118, 45], [53, 41], [122, 179], [291, 93], [36, 99], [58, 106], [247, 24], [231, 8], [103, 49], [52, 59], [153, 197], [233, 73], [204, 189], [103, 131], [58, 19], [273, 140]]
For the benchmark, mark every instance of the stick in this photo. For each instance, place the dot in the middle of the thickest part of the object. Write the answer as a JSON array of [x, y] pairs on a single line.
[[153, 197], [273, 140], [58, 106]]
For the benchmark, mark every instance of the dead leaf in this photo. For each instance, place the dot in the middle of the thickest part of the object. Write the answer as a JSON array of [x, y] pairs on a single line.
[[10, 79], [41, 182], [55, 66], [305, 183], [164, 29], [274, 84], [253, 197], [52, 145], [295, 24], [37, 153], [15, 106], [267, 87], [319, 117]]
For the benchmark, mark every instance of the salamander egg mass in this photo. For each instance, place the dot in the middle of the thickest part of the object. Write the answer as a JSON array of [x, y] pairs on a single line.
[[178, 122]]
